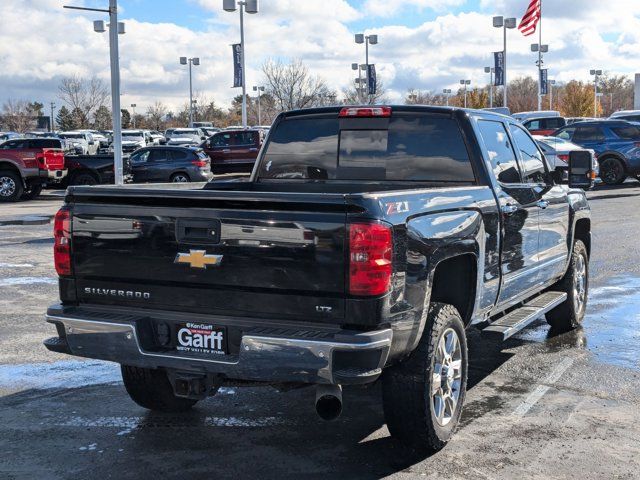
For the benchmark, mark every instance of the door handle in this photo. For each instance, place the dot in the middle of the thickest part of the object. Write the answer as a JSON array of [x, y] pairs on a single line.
[[509, 209], [226, 150], [253, 149], [542, 204]]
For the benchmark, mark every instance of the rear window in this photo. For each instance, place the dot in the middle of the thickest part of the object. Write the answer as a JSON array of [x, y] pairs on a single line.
[[45, 143], [627, 132], [408, 147]]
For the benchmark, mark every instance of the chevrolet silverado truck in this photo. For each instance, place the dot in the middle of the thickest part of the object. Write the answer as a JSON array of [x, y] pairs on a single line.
[[27, 164], [365, 243]]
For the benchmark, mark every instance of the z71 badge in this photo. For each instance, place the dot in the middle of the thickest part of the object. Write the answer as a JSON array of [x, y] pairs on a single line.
[[396, 207]]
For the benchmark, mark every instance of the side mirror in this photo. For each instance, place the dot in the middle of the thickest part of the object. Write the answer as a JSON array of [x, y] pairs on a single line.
[[581, 174], [91, 142]]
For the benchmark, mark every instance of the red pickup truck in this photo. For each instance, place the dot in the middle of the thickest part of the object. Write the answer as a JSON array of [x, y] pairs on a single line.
[[27, 164], [233, 150]]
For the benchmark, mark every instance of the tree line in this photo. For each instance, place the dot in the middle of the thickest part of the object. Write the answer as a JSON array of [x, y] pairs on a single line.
[[291, 85]]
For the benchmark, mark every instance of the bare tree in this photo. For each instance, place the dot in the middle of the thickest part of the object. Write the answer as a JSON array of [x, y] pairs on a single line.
[[156, 114], [17, 116], [351, 96], [83, 95], [292, 86], [523, 95]]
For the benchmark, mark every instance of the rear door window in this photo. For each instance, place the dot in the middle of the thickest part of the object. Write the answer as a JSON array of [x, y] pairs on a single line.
[[588, 134], [407, 147], [501, 153], [242, 139], [221, 140], [567, 133]]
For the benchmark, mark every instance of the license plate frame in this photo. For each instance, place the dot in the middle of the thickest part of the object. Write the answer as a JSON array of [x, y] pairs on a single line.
[[203, 339]]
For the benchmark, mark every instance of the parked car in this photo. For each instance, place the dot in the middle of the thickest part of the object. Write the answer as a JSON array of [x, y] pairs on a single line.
[[522, 116], [544, 125], [186, 137], [132, 140], [407, 225], [202, 124], [234, 150], [208, 131], [27, 164], [102, 139], [83, 142], [557, 151], [94, 170], [167, 133], [170, 164], [4, 136], [572, 120], [157, 137], [616, 143], [629, 115]]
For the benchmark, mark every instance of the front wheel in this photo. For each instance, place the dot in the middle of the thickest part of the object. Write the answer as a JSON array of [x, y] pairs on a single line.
[[180, 178], [423, 395], [612, 171], [151, 389], [83, 179], [575, 283], [10, 186]]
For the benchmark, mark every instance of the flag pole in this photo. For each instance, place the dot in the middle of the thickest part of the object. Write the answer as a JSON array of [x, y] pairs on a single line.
[[540, 59]]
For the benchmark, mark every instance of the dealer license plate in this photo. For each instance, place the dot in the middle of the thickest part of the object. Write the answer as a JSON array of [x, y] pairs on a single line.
[[202, 338]]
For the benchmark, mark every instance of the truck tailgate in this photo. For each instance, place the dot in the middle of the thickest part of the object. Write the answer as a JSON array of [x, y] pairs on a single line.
[[212, 252]]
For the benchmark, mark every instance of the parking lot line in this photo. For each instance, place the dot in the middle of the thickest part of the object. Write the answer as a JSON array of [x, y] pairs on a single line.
[[543, 388]]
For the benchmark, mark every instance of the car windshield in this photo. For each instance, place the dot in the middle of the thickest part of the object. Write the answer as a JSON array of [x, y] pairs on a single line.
[[185, 133], [72, 135], [132, 135]]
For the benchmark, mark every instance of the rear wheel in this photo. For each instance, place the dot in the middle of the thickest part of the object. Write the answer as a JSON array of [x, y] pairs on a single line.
[[423, 395], [151, 389], [612, 171], [575, 283], [83, 178], [180, 178], [10, 186], [32, 191]]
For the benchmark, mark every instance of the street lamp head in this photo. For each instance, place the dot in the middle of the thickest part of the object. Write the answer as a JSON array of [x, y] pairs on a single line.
[[255, 89], [498, 21], [487, 69], [552, 82], [363, 66], [261, 89], [373, 39], [461, 82], [359, 37], [98, 26], [534, 47], [598, 72], [251, 6], [121, 28], [133, 105], [510, 22], [195, 61], [183, 60], [229, 5], [467, 82]]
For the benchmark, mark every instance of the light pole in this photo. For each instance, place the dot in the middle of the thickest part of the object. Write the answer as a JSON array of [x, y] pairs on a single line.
[[465, 83], [490, 71], [536, 47], [367, 40], [551, 84], [596, 74], [447, 94], [191, 61], [52, 125], [250, 6], [504, 23], [115, 28], [133, 114], [258, 89]]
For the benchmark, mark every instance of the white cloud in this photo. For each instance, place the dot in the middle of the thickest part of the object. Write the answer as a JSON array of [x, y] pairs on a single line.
[[387, 8], [40, 43]]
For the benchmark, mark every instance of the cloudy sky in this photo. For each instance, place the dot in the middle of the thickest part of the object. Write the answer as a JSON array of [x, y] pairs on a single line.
[[423, 44]]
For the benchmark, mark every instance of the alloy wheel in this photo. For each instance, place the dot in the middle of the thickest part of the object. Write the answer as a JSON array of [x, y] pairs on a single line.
[[447, 377], [7, 186]]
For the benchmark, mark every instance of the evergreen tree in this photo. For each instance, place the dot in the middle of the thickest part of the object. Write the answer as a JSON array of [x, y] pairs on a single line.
[[126, 118], [80, 118], [102, 120], [64, 120]]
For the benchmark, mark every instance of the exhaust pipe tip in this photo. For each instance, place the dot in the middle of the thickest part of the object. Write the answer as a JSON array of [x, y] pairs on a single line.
[[329, 401]]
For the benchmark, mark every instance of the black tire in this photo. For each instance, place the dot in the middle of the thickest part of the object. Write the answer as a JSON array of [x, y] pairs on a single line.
[[408, 402], [176, 178], [32, 191], [83, 178], [569, 314], [612, 171], [11, 186], [151, 389]]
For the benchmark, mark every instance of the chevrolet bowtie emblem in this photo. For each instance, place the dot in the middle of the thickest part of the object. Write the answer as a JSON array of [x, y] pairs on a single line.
[[198, 259]]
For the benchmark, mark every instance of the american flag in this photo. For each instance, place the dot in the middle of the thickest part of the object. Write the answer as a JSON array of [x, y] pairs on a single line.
[[531, 18]]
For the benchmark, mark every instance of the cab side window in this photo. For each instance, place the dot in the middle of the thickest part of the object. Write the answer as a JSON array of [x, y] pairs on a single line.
[[567, 133], [532, 162], [501, 153], [221, 140], [243, 138]]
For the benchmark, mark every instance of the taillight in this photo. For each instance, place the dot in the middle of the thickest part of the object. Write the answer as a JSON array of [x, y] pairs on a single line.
[[200, 163], [62, 242], [370, 250], [564, 158], [365, 112]]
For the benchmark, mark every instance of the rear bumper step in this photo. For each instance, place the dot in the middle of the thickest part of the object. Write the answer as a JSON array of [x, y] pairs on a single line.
[[516, 320], [346, 357]]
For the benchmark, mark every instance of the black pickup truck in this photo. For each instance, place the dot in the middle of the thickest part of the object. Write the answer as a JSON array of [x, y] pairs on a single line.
[[94, 169], [361, 248]]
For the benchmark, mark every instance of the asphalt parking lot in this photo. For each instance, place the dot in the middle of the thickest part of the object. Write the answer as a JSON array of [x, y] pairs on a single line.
[[539, 406]]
